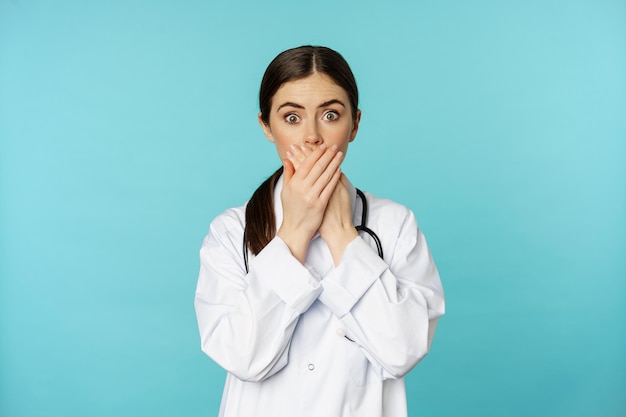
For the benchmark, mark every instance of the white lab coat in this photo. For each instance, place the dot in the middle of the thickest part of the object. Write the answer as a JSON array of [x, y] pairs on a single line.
[[315, 339]]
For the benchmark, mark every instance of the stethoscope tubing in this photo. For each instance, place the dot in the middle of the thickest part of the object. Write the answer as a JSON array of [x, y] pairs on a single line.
[[363, 226]]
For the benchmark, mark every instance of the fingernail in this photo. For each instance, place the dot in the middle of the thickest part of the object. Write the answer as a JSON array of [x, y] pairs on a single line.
[[293, 147], [334, 148], [339, 154], [322, 146], [289, 154], [303, 148]]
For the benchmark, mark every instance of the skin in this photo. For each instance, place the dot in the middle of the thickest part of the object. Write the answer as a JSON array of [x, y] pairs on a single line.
[[311, 125]]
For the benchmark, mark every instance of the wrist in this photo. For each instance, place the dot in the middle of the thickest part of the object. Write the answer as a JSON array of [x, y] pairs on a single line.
[[338, 241], [296, 242]]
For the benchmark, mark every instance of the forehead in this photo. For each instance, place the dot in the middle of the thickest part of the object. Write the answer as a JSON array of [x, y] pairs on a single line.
[[315, 89]]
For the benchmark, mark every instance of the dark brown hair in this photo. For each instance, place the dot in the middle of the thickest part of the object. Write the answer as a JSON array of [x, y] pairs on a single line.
[[290, 65]]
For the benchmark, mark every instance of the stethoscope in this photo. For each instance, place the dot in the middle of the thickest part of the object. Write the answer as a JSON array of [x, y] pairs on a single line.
[[360, 228]]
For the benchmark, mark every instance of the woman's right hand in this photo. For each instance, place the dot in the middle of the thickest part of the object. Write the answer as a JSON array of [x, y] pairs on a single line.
[[305, 194]]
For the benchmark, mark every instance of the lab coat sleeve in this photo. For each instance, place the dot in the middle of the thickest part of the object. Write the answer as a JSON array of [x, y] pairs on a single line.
[[246, 321], [389, 309]]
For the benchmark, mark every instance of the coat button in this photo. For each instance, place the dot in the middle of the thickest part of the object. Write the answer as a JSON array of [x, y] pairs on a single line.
[[341, 332], [311, 367]]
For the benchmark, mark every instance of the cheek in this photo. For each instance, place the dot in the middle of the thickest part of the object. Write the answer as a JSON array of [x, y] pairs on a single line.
[[282, 141], [339, 133]]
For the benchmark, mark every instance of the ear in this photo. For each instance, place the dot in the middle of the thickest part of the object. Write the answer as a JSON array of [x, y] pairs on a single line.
[[266, 129], [355, 125]]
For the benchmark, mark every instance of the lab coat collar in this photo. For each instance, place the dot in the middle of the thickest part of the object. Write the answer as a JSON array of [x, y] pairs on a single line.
[[278, 206]]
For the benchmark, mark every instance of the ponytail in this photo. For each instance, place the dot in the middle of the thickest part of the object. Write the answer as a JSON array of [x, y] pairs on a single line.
[[260, 219]]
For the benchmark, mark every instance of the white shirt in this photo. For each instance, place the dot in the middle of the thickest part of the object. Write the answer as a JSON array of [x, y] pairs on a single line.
[[315, 339]]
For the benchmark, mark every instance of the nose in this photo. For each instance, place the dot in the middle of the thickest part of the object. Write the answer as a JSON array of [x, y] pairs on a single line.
[[313, 135]]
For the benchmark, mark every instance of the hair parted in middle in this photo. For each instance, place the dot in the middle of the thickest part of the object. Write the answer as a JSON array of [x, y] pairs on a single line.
[[290, 65], [297, 63]]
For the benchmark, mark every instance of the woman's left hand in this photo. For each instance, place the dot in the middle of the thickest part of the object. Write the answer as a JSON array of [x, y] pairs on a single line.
[[336, 228]]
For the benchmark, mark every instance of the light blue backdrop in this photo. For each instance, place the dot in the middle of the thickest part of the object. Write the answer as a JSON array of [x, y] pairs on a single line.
[[125, 127]]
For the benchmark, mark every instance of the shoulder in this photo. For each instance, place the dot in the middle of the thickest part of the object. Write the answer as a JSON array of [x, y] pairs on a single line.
[[231, 218], [221, 253], [388, 211], [396, 226], [228, 226]]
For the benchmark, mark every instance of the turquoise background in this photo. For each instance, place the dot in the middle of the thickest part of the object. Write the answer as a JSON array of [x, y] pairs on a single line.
[[125, 127]]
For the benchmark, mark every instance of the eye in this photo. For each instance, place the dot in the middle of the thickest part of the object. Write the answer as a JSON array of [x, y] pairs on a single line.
[[331, 115], [292, 118]]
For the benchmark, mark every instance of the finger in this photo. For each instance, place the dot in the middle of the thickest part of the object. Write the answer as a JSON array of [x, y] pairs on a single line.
[[307, 157], [300, 153], [327, 172], [294, 161], [306, 151], [328, 190], [322, 166]]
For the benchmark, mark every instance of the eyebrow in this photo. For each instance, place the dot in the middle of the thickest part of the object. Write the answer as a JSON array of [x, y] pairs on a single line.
[[300, 106]]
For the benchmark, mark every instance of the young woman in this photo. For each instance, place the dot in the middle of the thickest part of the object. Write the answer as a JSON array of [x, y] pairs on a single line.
[[310, 316]]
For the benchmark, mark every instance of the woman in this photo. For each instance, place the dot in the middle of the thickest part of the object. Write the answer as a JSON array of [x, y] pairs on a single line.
[[307, 315]]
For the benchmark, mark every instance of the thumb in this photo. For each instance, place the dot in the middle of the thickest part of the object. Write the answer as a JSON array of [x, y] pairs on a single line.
[[344, 180], [288, 170]]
